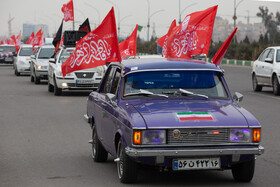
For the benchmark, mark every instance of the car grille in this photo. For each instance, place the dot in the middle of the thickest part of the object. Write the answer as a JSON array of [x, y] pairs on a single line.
[[198, 136], [84, 75]]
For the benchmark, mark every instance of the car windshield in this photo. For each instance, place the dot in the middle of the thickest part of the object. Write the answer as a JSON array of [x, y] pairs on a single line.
[[278, 56], [46, 53], [202, 84], [65, 55], [7, 49], [26, 51]]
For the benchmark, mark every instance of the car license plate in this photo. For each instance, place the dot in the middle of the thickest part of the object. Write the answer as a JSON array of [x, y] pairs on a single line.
[[9, 59], [84, 81], [196, 163]]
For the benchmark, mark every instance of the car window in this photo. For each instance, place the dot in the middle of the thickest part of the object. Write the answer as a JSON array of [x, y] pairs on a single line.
[[115, 82], [45, 53], [278, 56], [264, 55], [207, 83], [26, 51], [271, 54], [7, 49], [65, 55], [108, 80]]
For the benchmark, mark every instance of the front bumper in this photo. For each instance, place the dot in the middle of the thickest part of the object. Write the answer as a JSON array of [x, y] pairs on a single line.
[[41, 74], [168, 152], [24, 68], [73, 85]]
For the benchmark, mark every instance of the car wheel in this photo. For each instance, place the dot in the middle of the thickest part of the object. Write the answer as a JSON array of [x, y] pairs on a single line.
[[50, 87], [99, 154], [57, 91], [127, 169], [244, 172], [17, 73], [37, 80], [276, 87], [256, 87]]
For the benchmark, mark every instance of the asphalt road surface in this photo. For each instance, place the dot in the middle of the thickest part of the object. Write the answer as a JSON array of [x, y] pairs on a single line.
[[43, 139]]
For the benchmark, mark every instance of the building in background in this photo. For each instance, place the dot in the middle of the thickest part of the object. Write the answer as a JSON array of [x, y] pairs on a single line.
[[27, 29]]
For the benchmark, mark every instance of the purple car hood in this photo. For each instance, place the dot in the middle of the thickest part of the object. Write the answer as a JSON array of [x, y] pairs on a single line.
[[198, 113]]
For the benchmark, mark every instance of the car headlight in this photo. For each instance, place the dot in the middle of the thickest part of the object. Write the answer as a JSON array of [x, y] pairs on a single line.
[[41, 67], [240, 135], [149, 137]]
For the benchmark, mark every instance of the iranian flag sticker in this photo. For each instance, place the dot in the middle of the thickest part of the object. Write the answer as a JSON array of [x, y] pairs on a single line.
[[194, 116]]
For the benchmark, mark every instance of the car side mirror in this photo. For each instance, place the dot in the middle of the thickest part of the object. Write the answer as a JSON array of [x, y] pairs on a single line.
[[32, 56], [110, 97], [52, 60], [237, 97], [269, 60]]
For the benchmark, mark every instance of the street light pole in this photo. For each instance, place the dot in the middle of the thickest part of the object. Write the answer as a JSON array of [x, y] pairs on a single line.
[[181, 12], [235, 17], [149, 17]]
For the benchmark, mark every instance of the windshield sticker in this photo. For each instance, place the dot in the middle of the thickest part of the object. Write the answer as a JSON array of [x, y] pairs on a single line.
[[194, 116]]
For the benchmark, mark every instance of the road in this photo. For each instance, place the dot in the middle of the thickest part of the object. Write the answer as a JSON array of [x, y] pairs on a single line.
[[43, 139]]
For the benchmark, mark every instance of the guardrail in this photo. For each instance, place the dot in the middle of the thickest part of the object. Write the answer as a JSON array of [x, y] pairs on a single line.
[[236, 62]]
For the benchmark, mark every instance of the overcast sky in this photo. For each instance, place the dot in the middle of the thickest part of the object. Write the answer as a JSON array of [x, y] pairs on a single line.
[[131, 12]]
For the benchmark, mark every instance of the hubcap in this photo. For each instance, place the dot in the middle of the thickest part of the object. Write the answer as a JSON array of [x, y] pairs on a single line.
[[93, 146], [120, 163]]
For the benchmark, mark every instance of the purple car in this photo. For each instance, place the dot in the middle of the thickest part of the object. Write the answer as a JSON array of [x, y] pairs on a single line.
[[172, 114]]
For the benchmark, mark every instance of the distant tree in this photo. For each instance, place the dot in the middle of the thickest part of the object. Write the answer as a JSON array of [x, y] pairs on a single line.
[[246, 40]]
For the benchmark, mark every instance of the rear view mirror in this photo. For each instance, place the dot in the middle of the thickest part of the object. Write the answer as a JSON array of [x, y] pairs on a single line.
[[52, 60], [237, 97], [269, 60]]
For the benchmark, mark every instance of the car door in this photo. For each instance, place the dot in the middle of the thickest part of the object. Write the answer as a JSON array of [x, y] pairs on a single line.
[[112, 111], [268, 67], [102, 118], [260, 65], [52, 67]]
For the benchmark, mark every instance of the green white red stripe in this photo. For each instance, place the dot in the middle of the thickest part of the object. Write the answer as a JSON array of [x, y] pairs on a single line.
[[194, 116]]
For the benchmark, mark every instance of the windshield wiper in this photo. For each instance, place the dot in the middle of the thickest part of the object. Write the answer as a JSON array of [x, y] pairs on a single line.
[[145, 92], [191, 93]]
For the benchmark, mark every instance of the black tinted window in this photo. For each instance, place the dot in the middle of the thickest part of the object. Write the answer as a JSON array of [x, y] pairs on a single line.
[[278, 56], [46, 53], [7, 49], [116, 82], [271, 54], [108, 80]]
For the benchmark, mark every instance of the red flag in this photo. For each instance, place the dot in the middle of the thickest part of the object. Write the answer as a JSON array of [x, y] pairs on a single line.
[[96, 48], [163, 40], [3, 41], [193, 35], [38, 39], [128, 47], [12, 40], [68, 11], [18, 41], [217, 59], [30, 39]]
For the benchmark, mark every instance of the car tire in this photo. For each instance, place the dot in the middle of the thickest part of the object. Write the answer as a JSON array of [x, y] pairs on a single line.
[[50, 87], [99, 154], [37, 80], [17, 73], [244, 172], [127, 169], [57, 91], [276, 86], [256, 87]]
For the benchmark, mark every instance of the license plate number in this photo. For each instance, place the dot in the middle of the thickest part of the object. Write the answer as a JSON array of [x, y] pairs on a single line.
[[196, 163], [84, 81]]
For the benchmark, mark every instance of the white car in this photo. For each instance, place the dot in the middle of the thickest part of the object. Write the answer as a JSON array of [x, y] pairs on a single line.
[[87, 79], [22, 60], [266, 70], [40, 63]]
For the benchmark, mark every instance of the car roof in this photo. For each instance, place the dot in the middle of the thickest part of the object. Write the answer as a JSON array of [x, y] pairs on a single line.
[[7, 45], [133, 65], [47, 46], [276, 47], [26, 45]]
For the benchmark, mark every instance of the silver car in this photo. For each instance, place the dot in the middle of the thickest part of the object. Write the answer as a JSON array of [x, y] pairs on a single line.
[[22, 60], [40, 63]]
